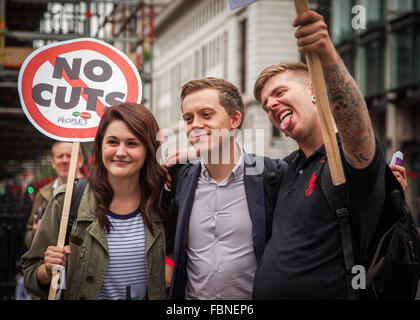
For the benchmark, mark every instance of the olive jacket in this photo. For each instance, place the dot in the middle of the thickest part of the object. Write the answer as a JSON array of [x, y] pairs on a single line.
[[88, 262]]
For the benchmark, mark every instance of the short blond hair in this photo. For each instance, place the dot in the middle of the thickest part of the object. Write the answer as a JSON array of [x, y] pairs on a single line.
[[273, 70], [229, 95]]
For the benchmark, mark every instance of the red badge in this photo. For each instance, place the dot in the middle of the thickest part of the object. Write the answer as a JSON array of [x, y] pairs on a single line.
[[311, 185]]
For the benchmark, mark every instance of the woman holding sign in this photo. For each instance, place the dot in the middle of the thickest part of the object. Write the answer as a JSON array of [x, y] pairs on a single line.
[[118, 240]]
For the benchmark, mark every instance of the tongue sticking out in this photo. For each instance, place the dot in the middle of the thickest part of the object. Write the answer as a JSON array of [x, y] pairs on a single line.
[[286, 122]]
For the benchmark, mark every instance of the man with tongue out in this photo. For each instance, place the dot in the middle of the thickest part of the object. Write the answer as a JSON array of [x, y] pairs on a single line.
[[304, 258]]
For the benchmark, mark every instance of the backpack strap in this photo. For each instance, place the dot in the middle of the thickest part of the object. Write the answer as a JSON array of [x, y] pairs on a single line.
[[336, 199], [271, 185], [270, 181], [78, 190]]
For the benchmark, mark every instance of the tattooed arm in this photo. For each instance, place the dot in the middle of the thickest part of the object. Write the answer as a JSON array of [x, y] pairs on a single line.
[[347, 103], [350, 114]]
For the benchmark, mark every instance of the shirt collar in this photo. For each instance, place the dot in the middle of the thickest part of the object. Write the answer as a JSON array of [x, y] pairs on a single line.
[[237, 171], [300, 156], [55, 184], [321, 149]]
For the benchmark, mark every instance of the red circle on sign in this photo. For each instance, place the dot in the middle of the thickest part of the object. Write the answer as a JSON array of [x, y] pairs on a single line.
[[37, 59]]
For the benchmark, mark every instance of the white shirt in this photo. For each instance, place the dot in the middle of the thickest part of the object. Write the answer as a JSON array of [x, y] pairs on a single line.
[[221, 262]]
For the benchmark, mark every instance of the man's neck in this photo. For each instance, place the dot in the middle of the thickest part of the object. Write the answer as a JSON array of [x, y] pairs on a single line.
[[312, 143], [220, 170], [63, 180]]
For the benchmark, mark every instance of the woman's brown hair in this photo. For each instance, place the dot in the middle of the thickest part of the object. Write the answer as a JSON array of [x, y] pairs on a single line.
[[141, 122]]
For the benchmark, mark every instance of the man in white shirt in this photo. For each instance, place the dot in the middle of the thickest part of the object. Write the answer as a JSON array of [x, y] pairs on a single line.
[[224, 216], [60, 161]]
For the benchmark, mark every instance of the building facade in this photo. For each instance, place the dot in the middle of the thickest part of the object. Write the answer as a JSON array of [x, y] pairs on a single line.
[[202, 38], [379, 40]]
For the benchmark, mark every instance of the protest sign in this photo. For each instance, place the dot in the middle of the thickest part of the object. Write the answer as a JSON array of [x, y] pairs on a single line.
[[64, 89]]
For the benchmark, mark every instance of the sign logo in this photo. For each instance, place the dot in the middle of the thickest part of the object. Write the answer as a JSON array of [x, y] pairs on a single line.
[[65, 87]]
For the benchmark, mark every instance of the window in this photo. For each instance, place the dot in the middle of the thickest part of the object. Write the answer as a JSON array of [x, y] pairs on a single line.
[[217, 49], [212, 55], [197, 64], [224, 53], [348, 59], [375, 12], [372, 67], [204, 65], [175, 84], [405, 54], [401, 6], [242, 54], [342, 29], [378, 125]]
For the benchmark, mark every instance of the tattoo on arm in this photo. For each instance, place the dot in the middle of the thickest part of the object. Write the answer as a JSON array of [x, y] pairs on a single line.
[[350, 114]]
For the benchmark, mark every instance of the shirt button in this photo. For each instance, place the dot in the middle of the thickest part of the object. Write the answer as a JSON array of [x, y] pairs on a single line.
[[216, 213], [300, 171]]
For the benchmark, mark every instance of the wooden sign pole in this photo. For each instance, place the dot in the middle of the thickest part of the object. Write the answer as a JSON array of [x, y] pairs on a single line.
[[324, 111], [65, 213]]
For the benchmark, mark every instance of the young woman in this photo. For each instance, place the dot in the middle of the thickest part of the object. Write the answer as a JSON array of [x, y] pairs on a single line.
[[118, 241]]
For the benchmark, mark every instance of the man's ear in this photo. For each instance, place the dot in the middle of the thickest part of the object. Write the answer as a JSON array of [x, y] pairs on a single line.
[[311, 88], [80, 162], [311, 92], [236, 119]]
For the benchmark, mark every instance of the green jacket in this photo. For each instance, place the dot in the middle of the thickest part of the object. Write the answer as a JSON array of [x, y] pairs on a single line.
[[42, 198], [88, 261]]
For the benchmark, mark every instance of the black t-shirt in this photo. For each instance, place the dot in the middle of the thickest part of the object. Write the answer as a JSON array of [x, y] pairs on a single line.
[[303, 258]]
